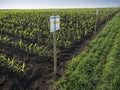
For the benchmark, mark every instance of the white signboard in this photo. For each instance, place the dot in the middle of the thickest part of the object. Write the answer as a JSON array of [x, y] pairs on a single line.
[[54, 23], [97, 12]]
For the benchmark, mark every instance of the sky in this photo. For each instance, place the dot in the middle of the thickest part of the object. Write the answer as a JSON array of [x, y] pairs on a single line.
[[40, 4]]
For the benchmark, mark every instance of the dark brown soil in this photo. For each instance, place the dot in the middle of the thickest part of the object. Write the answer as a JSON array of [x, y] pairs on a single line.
[[39, 73]]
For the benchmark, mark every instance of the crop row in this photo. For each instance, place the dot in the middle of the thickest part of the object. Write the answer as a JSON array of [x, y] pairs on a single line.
[[12, 64], [29, 48]]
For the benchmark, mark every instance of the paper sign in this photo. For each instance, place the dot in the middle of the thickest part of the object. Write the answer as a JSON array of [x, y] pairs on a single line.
[[54, 23], [97, 12]]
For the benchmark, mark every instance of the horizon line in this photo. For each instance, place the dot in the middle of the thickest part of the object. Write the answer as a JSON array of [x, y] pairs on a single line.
[[58, 8]]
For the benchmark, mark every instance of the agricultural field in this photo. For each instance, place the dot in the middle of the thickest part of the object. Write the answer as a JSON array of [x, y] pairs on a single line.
[[26, 48], [97, 67]]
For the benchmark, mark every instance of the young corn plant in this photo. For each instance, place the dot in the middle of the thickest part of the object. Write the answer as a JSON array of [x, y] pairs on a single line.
[[23, 68]]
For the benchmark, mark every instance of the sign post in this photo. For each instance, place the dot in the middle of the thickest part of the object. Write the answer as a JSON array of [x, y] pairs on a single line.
[[54, 25], [107, 13], [96, 21]]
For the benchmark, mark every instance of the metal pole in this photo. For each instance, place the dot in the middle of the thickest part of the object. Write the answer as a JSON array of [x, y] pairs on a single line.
[[106, 14], [96, 21], [54, 48]]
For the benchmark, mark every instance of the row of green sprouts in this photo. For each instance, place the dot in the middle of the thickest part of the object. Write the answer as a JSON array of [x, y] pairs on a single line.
[[12, 64]]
